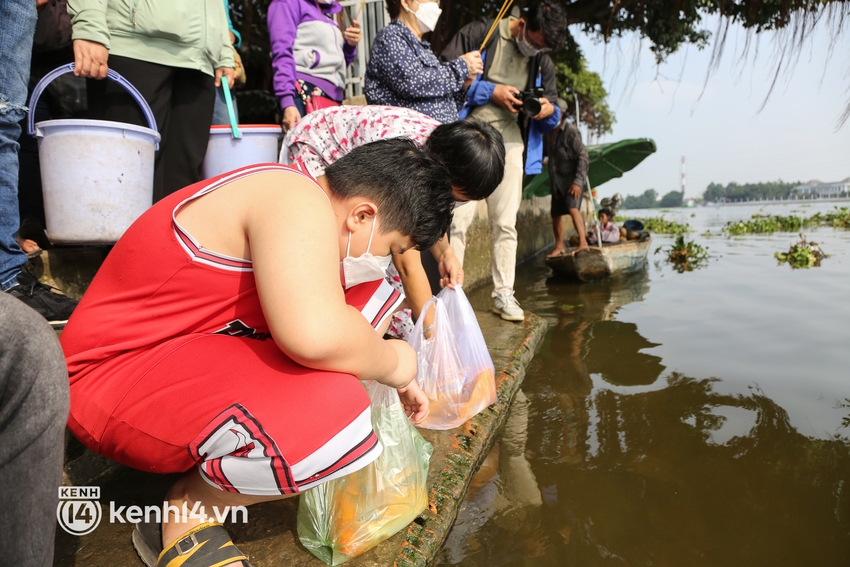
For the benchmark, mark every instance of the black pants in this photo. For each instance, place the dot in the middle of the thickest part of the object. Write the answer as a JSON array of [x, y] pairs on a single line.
[[182, 101], [33, 413]]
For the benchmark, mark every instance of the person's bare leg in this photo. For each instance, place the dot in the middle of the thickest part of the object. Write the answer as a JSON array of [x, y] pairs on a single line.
[[582, 235], [191, 488], [558, 229]]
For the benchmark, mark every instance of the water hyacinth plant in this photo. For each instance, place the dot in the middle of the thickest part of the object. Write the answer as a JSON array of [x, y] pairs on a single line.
[[760, 224], [685, 256], [802, 255], [659, 225]]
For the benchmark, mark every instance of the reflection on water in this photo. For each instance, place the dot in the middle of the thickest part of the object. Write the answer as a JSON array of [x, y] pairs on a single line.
[[655, 428]]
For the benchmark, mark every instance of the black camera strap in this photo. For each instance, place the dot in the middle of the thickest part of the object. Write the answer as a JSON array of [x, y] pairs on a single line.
[[533, 72]]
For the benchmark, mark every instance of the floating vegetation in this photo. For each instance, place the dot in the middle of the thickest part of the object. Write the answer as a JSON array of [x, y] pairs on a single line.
[[760, 224], [659, 225], [685, 256], [766, 224], [802, 255], [837, 218]]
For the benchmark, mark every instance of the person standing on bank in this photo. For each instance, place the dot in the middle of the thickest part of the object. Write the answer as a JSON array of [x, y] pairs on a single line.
[[568, 164], [18, 19], [175, 54], [403, 71], [309, 55], [514, 60]]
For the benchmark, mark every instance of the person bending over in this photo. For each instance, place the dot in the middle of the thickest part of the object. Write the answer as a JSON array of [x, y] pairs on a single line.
[[472, 152], [224, 336]]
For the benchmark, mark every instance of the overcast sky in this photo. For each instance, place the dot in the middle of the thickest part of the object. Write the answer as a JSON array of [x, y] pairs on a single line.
[[723, 135]]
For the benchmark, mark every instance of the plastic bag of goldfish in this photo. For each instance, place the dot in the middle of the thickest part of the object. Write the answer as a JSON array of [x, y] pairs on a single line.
[[455, 368], [350, 515]]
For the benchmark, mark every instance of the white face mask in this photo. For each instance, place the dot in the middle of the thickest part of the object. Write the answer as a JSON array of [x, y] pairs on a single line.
[[364, 268], [524, 47], [427, 16]]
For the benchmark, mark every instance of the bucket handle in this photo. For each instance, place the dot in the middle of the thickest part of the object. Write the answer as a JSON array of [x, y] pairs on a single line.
[[69, 68]]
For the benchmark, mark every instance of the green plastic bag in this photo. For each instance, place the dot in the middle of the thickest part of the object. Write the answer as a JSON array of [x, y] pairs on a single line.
[[347, 516]]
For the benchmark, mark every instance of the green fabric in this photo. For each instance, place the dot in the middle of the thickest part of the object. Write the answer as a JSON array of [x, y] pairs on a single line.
[[607, 161], [190, 34], [536, 185]]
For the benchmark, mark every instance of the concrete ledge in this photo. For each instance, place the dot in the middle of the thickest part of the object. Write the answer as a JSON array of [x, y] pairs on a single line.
[[270, 537], [70, 269], [459, 452]]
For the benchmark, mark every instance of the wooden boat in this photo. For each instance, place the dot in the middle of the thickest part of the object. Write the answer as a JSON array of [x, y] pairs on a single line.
[[609, 261]]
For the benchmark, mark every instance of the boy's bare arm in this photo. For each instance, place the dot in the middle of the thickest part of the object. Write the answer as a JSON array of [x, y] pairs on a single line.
[[417, 290], [294, 243]]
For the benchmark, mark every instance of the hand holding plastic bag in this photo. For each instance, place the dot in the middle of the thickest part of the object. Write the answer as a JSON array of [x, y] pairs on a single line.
[[455, 368], [347, 516], [471, 347]]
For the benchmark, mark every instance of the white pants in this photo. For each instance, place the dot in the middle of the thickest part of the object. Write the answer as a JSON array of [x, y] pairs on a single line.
[[502, 206]]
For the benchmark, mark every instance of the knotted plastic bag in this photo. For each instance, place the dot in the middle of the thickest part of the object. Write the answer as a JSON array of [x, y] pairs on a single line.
[[455, 368], [347, 516]]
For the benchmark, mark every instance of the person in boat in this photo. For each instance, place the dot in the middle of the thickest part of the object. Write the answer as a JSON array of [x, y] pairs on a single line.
[[224, 337], [568, 163], [472, 152], [608, 231]]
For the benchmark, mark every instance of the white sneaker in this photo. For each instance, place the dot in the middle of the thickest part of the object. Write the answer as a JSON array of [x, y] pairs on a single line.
[[507, 306]]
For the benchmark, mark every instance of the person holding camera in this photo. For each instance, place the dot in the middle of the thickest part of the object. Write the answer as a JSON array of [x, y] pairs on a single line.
[[515, 94]]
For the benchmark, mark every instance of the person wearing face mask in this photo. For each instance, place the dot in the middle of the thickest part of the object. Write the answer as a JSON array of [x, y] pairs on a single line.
[[514, 61], [472, 152], [403, 71], [226, 335], [309, 55]]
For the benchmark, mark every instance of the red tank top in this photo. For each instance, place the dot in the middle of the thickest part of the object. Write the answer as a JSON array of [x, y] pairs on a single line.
[[158, 284]]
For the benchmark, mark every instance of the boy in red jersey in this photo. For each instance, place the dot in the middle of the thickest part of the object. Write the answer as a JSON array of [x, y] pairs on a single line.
[[225, 334]]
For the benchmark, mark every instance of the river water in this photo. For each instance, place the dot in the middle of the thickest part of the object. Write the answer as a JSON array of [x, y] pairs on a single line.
[[681, 419]]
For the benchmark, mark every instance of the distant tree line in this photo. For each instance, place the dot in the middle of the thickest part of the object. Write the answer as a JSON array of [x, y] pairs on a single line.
[[649, 200], [759, 191]]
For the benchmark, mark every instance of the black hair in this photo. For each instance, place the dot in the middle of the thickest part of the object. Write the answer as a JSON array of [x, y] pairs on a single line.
[[393, 8], [410, 187], [473, 153], [551, 17], [608, 212]]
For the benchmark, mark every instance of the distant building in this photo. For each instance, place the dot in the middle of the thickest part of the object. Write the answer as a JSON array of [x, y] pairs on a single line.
[[823, 190]]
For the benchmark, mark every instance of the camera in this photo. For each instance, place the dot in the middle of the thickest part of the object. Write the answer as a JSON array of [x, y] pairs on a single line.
[[531, 106]]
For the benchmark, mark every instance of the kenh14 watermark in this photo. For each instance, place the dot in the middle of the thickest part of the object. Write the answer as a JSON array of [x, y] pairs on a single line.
[[79, 511]]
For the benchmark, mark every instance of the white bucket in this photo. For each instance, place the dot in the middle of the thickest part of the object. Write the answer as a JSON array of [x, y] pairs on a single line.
[[96, 175], [258, 144]]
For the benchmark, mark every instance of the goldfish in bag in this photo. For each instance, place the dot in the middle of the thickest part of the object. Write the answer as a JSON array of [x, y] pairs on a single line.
[[350, 515], [455, 369]]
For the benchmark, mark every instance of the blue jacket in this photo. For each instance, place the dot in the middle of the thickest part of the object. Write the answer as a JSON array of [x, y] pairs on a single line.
[[480, 92]]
